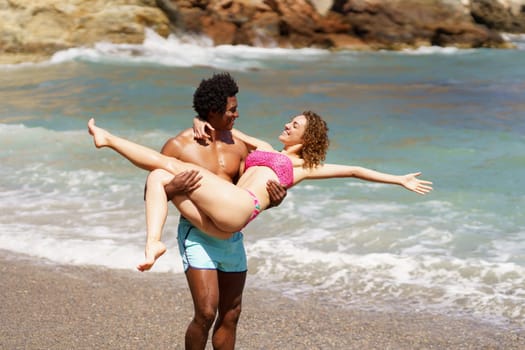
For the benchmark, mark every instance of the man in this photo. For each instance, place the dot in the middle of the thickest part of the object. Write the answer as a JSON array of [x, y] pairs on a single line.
[[215, 269]]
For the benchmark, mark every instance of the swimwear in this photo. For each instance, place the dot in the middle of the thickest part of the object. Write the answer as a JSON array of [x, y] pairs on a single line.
[[202, 251], [278, 162], [257, 207]]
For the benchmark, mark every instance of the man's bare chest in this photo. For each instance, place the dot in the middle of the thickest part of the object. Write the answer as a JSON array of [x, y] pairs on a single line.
[[222, 160]]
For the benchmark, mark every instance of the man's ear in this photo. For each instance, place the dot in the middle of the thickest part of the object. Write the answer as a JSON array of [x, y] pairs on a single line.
[[212, 114]]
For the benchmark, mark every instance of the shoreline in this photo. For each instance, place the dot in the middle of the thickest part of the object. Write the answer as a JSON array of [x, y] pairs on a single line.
[[36, 58], [63, 307]]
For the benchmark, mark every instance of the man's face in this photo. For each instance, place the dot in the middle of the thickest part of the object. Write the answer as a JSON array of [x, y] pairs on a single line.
[[227, 120]]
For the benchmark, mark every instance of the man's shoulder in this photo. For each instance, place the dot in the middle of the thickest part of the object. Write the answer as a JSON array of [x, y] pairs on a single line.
[[184, 134], [183, 137], [176, 143]]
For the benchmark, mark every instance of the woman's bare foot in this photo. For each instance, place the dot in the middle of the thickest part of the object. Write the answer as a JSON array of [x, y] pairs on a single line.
[[154, 250], [100, 136]]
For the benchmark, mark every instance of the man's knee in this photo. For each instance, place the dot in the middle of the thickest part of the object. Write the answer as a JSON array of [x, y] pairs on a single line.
[[205, 315], [159, 175], [235, 313], [232, 315]]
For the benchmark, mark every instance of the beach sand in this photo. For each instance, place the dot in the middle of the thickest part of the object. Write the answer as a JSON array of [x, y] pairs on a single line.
[[45, 306]]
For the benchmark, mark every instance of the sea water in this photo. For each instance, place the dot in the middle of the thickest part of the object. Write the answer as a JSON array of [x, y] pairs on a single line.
[[458, 116]]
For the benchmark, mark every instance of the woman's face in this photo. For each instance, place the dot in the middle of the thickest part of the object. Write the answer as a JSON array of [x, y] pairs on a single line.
[[293, 131]]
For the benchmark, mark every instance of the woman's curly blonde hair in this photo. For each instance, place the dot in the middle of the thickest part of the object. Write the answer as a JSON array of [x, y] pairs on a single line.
[[315, 140]]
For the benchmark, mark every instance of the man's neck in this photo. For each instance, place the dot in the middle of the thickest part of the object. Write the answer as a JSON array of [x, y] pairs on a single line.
[[222, 136]]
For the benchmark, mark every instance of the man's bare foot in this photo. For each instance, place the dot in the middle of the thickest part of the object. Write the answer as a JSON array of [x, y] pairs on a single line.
[[100, 136], [154, 250]]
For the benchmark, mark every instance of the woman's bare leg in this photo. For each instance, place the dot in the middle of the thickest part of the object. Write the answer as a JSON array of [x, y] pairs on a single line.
[[156, 203], [228, 206], [157, 212], [198, 218], [142, 157]]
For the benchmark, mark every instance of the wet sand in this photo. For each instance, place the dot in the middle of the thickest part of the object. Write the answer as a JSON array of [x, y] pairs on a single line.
[[45, 306]]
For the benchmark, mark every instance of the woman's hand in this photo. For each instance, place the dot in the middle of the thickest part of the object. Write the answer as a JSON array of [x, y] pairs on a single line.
[[202, 129], [412, 183]]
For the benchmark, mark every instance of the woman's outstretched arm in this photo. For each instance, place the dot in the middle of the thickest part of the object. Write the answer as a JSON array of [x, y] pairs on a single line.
[[409, 181]]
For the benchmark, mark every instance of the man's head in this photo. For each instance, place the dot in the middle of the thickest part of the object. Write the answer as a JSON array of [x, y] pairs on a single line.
[[215, 101]]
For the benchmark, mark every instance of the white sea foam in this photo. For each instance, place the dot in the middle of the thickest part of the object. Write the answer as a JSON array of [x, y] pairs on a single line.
[[99, 249], [8, 128], [433, 50], [184, 51], [368, 252], [488, 289], [516, 39]]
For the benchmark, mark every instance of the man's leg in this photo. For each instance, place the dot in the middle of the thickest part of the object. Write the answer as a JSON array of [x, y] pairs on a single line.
[[231, 286], [204, 288], [211, 289]]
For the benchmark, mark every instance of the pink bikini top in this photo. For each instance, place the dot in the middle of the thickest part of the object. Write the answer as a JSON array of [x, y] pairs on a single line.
[[279, 163]]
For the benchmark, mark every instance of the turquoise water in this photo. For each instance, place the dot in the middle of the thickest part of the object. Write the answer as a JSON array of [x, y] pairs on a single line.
[[457, 116]]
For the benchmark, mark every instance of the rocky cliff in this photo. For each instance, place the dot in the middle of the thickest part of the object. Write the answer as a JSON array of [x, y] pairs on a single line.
[[33, 30]]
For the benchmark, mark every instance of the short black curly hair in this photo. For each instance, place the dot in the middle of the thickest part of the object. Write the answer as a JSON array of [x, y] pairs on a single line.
[[212, 94]]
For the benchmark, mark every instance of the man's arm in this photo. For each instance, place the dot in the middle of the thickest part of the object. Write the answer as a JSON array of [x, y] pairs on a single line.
[[183, 183]]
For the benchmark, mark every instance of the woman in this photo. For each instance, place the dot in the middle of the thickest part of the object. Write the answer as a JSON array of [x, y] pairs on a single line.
[[305, 141]]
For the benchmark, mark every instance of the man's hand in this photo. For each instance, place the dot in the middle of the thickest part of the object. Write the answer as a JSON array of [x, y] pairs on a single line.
[[182, 183], [277, 193]]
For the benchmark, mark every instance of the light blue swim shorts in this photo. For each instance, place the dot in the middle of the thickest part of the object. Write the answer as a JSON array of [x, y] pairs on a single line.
[[201, 251]]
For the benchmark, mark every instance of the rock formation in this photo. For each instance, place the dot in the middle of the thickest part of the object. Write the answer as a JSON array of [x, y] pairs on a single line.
[[30, 30]]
